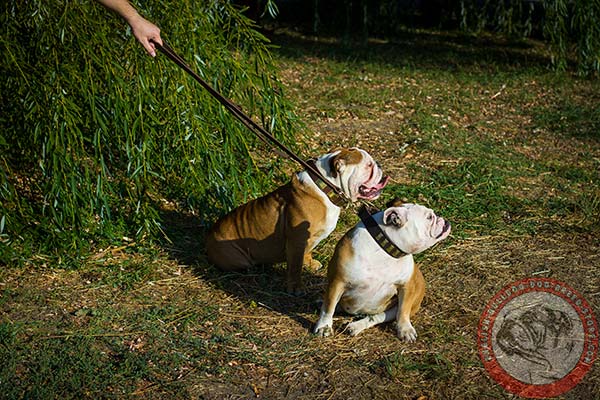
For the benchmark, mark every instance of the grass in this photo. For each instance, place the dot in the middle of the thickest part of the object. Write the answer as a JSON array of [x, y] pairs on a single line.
[[479, 130]]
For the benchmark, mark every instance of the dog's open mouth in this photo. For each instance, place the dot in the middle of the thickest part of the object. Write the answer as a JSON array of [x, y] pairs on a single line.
[[372, 192], [444, 230]]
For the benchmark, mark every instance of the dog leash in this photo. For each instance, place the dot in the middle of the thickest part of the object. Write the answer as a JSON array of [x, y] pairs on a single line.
[[337, 196]]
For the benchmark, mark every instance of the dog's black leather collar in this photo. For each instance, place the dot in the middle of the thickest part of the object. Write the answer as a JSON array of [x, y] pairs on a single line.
[[378, 234], [332, 195]]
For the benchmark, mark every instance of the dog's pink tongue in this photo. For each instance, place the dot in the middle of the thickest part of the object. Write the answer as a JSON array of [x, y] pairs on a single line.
[[381, 184], [372, 192]]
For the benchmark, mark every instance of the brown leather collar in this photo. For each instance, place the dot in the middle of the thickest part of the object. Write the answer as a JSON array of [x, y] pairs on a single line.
[[329, 192], [378, 234]]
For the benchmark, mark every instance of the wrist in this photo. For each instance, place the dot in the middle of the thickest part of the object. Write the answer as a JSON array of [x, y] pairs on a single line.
[[132, 17]]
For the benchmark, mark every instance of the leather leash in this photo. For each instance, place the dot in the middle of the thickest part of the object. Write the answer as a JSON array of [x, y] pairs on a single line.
[[335, 194], [253, 126]]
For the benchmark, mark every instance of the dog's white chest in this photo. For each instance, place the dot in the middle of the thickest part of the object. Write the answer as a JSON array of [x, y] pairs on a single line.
[[331, 218], [332, 213], [371, 262], [373, 276]]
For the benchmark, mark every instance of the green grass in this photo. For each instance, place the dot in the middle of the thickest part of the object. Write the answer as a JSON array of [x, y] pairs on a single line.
[[482, 132], [432, 366]]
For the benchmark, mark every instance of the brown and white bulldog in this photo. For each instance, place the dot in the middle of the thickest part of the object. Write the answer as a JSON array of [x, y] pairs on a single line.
[[286, 224], [364, 279]]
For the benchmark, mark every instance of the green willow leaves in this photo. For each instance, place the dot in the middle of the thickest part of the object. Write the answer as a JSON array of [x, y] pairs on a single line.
[[572, 28], [97, 136]]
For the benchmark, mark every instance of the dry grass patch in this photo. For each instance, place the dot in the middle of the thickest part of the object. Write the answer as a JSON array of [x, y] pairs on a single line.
[[158, 322]]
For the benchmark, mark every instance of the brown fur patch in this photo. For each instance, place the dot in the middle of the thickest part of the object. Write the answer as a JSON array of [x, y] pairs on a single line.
[[347, 156]]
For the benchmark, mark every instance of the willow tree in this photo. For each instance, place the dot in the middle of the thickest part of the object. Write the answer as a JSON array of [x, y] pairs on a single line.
[[96, 136], [571, 28]]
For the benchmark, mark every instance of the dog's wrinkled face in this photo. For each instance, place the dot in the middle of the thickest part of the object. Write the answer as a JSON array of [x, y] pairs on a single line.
[[414, 228], [357, 174]]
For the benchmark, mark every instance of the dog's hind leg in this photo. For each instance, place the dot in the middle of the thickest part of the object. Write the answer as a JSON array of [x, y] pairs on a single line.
[[311, 263], [356, 327]]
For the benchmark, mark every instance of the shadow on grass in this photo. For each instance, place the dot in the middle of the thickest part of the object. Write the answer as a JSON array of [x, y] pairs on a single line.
[[444, 51], [576, 115], [260, 286]]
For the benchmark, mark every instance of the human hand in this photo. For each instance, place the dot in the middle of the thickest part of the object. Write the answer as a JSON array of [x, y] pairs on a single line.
[[145, 32]]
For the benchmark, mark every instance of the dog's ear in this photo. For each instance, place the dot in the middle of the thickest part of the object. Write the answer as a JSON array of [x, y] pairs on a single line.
[[395, 216], [344, 158], [337, 165]]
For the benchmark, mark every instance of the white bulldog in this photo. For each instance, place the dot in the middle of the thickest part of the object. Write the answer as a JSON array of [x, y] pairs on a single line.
[[364, 279], [286, 224]]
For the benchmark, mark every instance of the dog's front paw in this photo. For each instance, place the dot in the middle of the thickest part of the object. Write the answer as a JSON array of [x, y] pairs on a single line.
[[323, 331], [406, 333]]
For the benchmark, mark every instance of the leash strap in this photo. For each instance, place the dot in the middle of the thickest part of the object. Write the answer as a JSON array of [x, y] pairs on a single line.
[[249, 122], [378, 234]]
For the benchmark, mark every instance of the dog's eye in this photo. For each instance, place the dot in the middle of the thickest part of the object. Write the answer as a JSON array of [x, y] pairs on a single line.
[[429, 217]]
